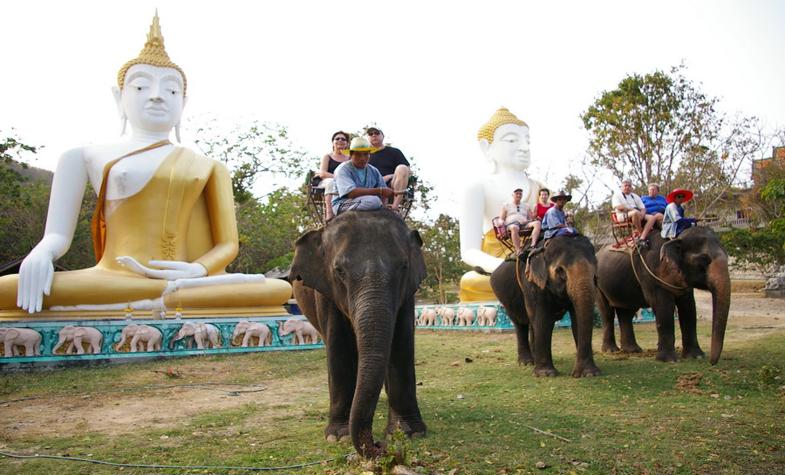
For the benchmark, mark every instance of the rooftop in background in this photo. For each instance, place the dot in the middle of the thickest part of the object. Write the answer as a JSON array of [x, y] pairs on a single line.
[[759, 166]]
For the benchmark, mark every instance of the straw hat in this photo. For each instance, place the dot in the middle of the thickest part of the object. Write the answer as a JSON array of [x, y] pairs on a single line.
[[561, 194], [360, 144]]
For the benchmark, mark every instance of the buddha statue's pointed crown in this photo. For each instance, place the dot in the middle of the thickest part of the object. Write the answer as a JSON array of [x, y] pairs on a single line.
[[499, 118], [153, 53]]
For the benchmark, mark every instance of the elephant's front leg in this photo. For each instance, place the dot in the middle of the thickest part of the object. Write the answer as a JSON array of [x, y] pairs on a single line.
[[341, 347], [543, 333], [400, 379], [608, 331], [666, 338], [524, 350], [628, 342], [78, 344], [688, 324]]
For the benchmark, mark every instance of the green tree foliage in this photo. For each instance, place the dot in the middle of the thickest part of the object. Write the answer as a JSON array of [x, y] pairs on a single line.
[[441, 249], [268, 229], [660, 127], [250, 151], [760, 248]]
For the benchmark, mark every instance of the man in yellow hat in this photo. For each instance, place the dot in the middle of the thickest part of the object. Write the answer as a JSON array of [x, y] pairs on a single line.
[[360, 185]]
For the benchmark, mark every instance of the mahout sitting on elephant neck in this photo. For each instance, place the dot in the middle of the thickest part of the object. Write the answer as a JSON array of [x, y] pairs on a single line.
[[355, 281]]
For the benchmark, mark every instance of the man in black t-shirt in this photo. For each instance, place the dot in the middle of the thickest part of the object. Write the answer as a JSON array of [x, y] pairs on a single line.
[[391, 163]]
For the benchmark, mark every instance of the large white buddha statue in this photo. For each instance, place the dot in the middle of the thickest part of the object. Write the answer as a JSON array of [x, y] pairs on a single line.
[[504, 140], [164, 229]]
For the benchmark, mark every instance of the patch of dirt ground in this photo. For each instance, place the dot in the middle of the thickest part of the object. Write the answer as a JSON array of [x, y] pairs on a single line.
[[163, 402]]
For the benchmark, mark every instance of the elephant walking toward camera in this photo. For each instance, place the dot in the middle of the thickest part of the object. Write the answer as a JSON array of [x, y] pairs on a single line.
[[558, 279], [355, 279], [663, 277]]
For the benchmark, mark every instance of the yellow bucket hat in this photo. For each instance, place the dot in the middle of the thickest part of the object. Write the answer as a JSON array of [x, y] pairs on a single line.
[[360, 144]]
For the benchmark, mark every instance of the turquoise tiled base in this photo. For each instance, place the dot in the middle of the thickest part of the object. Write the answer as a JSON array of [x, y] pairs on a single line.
[[112, 334]]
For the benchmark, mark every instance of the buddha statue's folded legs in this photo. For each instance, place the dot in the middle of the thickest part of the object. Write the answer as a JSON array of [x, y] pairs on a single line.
[[100, 288]]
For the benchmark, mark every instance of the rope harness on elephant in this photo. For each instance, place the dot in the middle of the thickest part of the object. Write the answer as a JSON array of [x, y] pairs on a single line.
[[518, 271], [645, 266]]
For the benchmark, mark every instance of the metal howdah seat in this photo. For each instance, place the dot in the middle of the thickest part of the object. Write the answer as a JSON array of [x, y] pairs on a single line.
[[623, 231], [503, 235], [315, 198]]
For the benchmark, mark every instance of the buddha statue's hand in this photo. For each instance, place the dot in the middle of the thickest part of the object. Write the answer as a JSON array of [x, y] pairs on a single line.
[[35, 279], [169, 270]]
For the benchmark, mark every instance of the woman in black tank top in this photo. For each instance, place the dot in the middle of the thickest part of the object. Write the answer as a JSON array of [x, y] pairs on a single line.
[[330, 162]]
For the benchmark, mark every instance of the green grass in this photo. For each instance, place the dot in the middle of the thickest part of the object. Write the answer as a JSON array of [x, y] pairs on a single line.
[[635, 418]]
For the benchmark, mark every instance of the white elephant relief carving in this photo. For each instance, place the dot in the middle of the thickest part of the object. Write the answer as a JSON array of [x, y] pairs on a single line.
[[304, 332], [427, 317], [447, 315], [465, 316], [251, 330], [486, 316], [76, 337], [140, 338], [15, 338], [204, 335]]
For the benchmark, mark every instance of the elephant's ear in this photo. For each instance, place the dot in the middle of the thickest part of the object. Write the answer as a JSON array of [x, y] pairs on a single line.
[[672, 256], [417, 270], [537, 270], [12, 334], [309, 264]]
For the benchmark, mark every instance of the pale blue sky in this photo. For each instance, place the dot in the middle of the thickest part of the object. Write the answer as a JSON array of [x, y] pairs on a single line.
[[429, 73]]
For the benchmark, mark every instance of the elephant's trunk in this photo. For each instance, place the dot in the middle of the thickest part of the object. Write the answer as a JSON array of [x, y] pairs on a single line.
[[373, 321], [719, 284]]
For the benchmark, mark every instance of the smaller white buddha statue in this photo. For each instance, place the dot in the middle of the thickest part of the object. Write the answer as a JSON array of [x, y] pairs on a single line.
[[504, 140]]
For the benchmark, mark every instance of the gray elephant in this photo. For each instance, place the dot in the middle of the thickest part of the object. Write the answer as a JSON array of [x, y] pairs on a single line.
[[205, 335], [149, 337], [253, 329], [663, 277], [355, 280], [555, 280], [75, 336], [13, 338]]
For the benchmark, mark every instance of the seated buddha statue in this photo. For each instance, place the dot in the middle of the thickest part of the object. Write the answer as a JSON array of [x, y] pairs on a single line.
[[164, 229], [504, 140]]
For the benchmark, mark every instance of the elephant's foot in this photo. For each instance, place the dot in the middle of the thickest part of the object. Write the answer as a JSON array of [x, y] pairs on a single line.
[[525, 357], [337, 432], [584, 370], [610, 348], [693, 352], [631, 348], [547, 371], [667, 356], [412, 428]]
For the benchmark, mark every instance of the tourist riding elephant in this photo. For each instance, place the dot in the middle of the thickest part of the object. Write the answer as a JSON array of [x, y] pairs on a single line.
[[557, 279], [355, 280], [15, 337], [74, 336], [664, 276]]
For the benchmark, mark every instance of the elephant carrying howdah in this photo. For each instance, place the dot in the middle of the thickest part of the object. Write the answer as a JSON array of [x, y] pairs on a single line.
[[663, 277], [537, 292], [355, 280]]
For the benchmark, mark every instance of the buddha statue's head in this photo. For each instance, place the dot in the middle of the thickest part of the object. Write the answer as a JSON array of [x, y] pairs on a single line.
[[150, 91], [504, 140]]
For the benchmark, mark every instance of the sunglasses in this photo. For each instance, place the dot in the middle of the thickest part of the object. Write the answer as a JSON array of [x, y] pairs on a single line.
[[375, 132], [340, 139]]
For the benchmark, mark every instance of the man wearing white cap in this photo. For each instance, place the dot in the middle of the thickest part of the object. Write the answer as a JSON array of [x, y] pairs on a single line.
[[360, 186]]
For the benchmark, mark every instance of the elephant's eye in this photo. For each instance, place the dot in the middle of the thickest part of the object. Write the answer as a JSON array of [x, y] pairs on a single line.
[[339, 270]]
